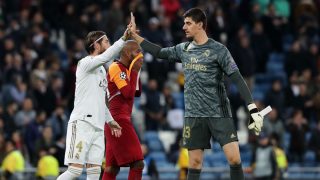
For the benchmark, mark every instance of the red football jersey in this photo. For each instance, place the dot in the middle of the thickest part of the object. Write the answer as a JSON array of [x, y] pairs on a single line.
[[122, 86]]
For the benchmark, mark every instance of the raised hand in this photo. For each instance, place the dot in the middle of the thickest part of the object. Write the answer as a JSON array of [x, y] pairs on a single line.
[[133, 26]]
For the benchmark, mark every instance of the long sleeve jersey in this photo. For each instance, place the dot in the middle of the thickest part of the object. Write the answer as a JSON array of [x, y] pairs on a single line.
[[91, 87]]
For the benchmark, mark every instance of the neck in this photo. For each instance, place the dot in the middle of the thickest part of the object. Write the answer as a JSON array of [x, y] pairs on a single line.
[[200, 38], [95, 53], [124, 62]]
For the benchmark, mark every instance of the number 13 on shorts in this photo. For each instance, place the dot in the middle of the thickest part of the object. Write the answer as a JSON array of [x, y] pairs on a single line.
[[186, 132]]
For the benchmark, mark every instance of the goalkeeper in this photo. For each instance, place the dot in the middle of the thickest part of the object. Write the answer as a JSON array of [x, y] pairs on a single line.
[[207, 107]]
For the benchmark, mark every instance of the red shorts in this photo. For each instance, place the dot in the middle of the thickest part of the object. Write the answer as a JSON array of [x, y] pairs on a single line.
[[125, 149]]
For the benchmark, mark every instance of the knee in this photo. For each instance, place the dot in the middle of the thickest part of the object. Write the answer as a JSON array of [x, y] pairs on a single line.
[[112, 170], [195, 162], [234, 160], [137, 165]]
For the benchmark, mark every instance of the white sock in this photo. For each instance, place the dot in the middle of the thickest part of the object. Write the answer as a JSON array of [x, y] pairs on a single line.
[[93, 173], [71, 173]]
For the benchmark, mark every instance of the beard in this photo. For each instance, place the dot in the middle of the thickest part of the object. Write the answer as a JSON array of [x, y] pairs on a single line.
[[190, 39]]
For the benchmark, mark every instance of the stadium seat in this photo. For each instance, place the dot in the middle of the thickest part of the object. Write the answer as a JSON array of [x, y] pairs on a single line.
[[276, 58], [168, 176], [246, 156], [216, 147], [158, 156], [155, 145], [309, 157], [151, 135], [207, 176]]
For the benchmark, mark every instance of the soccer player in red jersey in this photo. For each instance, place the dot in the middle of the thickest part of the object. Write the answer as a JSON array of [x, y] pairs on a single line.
[[123, 86]]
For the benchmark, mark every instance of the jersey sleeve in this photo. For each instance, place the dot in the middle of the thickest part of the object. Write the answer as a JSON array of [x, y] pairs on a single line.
[[120, 78], [171, 53], [108, 55], [227, 62]]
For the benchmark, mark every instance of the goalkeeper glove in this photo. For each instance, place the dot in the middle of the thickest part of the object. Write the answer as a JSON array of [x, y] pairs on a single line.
[[256, 120]]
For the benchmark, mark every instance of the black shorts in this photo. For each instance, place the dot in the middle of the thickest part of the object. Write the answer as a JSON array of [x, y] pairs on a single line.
[[197, 132]]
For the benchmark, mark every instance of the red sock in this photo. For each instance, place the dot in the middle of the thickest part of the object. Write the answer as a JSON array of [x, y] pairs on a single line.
[[135, 174], [108, 176]]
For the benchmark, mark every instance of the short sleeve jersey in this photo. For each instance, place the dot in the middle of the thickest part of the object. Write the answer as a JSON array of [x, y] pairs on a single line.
[[204, 68], [118, 77]]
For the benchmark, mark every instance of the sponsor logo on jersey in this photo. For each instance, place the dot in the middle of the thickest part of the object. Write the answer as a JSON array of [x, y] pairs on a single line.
[[194, 65]]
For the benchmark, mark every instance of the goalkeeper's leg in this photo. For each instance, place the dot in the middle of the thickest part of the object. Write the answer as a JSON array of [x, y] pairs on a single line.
[[232, 152]]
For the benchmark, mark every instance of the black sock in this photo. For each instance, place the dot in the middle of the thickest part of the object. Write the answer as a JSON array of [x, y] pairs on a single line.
[[236, 172], [193, 174]]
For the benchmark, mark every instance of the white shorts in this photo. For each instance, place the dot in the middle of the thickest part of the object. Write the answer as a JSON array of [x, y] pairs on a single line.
[[84, 144]]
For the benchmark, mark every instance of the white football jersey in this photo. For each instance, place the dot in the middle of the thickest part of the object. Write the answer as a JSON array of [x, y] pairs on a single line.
[[91, 87]]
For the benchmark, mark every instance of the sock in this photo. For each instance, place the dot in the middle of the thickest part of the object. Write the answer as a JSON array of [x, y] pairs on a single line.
[[108, 176], [236, 172], [193, 174], [71, 173], [135, 174], [93, 173]]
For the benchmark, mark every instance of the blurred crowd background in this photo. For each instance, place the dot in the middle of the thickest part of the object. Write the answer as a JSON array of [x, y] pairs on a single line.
[[274, 42]]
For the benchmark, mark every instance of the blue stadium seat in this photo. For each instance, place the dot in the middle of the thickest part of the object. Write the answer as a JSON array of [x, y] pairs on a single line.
[[294, 176], [178, 98], [207, 176], [158, 156], [155, 145], [164, 164], [309, 157], [216, 147], [286, 142], [309, 175], [274, 67], [151, 135], [168, 176], [258, 95], [276, 58], [308, 136], [294, 164], [246, 156], [216, 159], [122, 176]]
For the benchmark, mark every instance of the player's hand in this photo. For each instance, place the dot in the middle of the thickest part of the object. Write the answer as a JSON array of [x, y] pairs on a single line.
[[126, 34], [115, 128], [137, 65], [256, 120], [132, 25]]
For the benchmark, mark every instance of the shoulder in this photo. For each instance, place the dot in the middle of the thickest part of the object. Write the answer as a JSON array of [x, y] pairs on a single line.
[[217, 45], [83, 60], [114, 69]]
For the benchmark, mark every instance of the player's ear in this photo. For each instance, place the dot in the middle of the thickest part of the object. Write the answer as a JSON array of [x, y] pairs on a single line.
[[95, 46], [200, 24]]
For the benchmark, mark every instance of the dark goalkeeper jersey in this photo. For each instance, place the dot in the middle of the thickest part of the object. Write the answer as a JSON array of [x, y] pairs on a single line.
[[204, 68]]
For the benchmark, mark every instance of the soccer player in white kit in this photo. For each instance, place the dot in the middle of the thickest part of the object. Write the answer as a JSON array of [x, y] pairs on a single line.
[[85, 135]]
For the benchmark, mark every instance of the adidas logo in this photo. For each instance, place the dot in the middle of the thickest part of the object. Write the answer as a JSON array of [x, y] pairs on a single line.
[[232, 136]]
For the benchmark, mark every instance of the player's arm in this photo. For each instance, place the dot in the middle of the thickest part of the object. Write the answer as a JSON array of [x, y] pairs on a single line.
[[230, 68], [139, 91], [169, 53], [108, 55]]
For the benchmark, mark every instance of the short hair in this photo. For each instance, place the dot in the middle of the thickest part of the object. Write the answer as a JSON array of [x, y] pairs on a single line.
[[197, 15], [91, 38]]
